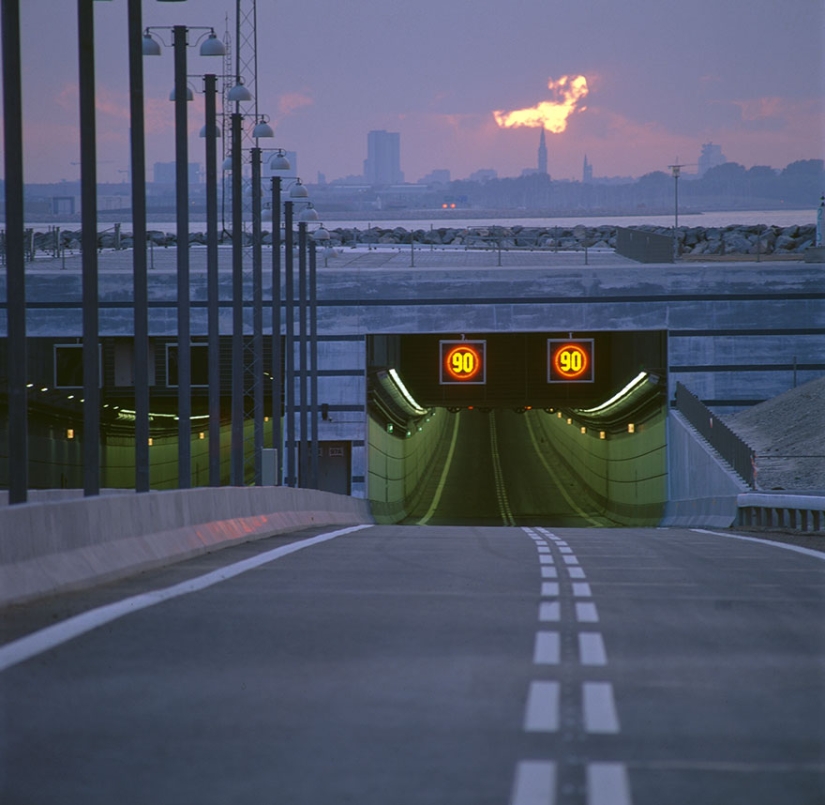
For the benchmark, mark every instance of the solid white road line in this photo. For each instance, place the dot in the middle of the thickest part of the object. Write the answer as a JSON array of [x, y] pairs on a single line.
[[591, 649], [599, 708], [439, 490], [550, 588], [607, 784], [587, 613], [581, 590], [39, 642], [785, 546], [542, 711], [535, 783], [547, 650], [549, 611], [549, 573]]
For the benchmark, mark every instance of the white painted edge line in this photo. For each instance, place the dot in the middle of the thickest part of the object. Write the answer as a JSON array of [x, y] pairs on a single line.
[[439, 490], [607, 784], [39, 642], [794, 548], [535, 783], [591, 649], [542, 711], [599, 706], [547, 649]]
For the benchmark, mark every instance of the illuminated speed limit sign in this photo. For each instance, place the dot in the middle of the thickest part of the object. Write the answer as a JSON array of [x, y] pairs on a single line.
[[462, 363], [570, 360]]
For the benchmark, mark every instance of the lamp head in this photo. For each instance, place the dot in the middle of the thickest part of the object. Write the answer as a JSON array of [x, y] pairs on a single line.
[[212, 46], [262, 129], [151, 47], [279, 162]]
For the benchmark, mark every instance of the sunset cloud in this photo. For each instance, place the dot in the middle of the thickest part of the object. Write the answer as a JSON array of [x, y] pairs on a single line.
[[567, 91]]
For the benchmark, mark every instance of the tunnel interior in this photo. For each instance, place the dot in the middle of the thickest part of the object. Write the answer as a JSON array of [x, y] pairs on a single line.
[[518, 445]]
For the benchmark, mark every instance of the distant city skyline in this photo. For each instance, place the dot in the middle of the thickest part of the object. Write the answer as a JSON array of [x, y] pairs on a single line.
[[662, 80]]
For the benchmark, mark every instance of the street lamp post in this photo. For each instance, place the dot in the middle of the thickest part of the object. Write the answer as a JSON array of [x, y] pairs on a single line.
[[15, 257], [210, 46], [139, 275], [237, 447], [88, 239], [289, 348], [277, 385], [212, 294], [676, 170]]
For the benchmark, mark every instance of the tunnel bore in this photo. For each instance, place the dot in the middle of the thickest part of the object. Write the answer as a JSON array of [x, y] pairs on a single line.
[[516, 450]]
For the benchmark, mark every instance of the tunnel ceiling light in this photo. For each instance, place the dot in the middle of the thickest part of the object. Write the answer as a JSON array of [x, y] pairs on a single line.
[[631, 428], [637, 382], [419, 411]]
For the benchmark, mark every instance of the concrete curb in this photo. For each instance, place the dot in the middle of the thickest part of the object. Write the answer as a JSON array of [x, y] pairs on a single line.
[[51, 547]]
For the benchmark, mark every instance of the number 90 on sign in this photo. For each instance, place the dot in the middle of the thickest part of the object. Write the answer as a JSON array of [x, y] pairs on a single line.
[[570, 361], [462, 362]]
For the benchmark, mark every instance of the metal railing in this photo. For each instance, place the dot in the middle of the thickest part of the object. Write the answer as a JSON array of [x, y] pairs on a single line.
[[733, 450]]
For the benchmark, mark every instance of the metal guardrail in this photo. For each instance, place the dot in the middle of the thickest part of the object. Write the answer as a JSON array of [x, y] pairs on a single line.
[[736, 452], [766, 510]]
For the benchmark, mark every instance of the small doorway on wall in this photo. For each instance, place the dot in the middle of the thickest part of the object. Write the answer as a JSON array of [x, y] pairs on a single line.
[[334, 467]]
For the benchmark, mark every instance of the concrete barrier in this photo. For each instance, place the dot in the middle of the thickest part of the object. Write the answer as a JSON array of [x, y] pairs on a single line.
[[781, 510], [58, 546]]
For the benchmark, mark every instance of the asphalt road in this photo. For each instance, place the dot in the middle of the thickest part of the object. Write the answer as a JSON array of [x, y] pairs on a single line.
[[415, 666], [500, 472]]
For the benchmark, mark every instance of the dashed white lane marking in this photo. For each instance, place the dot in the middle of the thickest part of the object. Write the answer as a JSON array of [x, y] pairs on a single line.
[[545, 559], [53, 636], [543, 549], [550, 588], [547, 650], [581, 590], [570, 560], [586, 612], [549, 572], [576, 573], [607, 784], [599, 708], [535, 783], [591, 649], [542, 711], [560, 542], [565, 550], [549, 611]]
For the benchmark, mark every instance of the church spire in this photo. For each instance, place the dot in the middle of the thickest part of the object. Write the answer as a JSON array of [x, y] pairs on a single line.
[[542, 152]]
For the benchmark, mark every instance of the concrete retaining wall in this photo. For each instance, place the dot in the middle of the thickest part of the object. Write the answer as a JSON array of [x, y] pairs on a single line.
[[702, 487], [399, 467], [625, 474], [57, 546]]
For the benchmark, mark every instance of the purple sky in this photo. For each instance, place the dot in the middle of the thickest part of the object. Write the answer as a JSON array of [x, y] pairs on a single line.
[[663, 78]]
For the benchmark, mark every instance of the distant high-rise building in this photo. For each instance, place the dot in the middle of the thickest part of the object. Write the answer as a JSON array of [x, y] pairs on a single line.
[[710, 157], [437, 176], [542, 152], [383, 163], [587, 171]]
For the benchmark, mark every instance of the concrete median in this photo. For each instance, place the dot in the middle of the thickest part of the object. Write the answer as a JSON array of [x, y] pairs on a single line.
[[63, 545]]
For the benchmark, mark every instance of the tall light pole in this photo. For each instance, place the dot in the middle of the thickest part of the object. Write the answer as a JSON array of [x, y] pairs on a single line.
[[15, 255], [212, 296], [88, 240], [210, 45]]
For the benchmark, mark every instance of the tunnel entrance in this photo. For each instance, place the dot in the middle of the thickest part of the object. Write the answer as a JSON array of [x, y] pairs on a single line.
[[514, 450]]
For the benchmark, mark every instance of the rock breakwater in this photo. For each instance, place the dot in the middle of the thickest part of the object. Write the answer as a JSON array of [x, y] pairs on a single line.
[[693, 241]]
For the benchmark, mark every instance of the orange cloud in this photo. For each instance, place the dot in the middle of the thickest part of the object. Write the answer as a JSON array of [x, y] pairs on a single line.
[[292, 101]]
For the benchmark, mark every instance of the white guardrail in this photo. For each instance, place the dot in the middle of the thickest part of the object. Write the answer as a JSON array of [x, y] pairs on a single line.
[[771, 510]]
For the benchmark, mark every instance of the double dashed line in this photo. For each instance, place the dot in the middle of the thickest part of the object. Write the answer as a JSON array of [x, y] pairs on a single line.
[[537, 780]]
